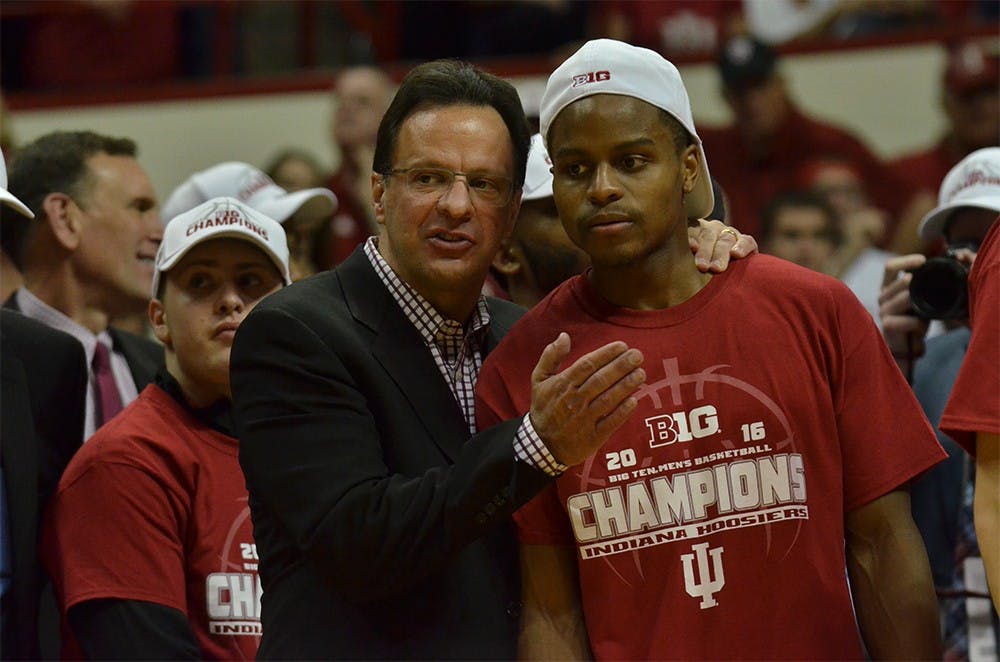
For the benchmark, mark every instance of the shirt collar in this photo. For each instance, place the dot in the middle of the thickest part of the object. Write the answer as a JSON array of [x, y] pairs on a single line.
[[33, 307], [432, 325]]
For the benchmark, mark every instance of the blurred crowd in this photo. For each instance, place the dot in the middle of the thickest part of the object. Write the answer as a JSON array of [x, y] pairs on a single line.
[[808, 191]]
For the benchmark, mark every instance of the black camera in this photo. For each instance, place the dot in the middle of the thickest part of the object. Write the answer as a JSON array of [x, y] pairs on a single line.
[[939, 289]]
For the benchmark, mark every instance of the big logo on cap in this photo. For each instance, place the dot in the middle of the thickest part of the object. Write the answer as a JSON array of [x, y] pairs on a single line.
[[592, 77]]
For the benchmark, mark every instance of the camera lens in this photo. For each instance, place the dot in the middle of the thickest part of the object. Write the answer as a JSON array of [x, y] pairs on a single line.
[[939, 289]]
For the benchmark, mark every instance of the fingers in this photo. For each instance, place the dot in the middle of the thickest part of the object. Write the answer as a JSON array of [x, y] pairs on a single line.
[[714, 243], [896, 265], [551, 358], [574, 410]]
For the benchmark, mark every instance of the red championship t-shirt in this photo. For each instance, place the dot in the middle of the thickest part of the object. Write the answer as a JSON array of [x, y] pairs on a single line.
[[711, 525], [974, 404], [154, 508]]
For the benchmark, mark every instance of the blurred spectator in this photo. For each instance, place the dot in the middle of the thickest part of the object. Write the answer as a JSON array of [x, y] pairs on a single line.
[[678, 28], [43, 372], [361, 94], [856, 262], [86, 43], [295, 170], [87, 258], [801, 228], [941, 500], [538, 255], [761, 153], [303, 214], [970, 96], [782, 21]]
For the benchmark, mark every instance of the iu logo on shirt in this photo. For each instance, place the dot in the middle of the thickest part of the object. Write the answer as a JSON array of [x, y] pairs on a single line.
[[709, 580]]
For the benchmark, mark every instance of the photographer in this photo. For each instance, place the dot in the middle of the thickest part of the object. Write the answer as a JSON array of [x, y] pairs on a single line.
[[968, 204]]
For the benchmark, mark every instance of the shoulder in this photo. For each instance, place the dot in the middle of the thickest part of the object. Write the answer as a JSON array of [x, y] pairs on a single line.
[[31, 337], [767, 278], [130, 343], [503, 313], [148, 433]]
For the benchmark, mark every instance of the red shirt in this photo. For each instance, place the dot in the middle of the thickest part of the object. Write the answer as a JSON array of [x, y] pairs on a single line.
[[154, 508], [927, 169], [974, 404], [349, 227], [711, 525], [752, 181]]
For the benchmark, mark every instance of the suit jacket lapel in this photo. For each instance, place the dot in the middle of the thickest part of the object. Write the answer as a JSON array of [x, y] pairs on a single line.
[[140, 364], [401, 351]]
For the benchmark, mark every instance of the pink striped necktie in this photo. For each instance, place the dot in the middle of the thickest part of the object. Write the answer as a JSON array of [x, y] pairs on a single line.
[[109, 402]]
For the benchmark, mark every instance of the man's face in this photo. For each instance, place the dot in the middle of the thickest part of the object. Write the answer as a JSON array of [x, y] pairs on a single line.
[[543, 248], [975, 117], [801, 235], [966, 229], [618, 180], [759, 108], [362, 98], [206, 297], [120, 232], [445, 243]]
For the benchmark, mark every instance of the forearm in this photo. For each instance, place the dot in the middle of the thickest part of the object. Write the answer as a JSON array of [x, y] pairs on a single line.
[[987, 508], [892, 586], [132, 630], [552, 621]]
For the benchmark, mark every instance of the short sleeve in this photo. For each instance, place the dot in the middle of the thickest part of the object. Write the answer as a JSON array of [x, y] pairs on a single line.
[[974, 404], [886, 439], [115, 531]]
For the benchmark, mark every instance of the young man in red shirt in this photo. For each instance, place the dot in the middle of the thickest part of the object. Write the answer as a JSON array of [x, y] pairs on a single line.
[[148, 537], [770, 444]]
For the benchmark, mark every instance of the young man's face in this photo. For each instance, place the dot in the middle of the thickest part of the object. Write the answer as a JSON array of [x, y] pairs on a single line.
[[206, 297], [619, 182], [445, 241], [121, 230]]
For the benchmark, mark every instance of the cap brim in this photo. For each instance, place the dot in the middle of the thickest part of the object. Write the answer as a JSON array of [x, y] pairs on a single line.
[[932, 225], [316, 202], [8, 199], [220, 233]]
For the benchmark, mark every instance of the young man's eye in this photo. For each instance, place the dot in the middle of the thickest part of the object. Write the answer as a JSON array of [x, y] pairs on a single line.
[[633, 162]]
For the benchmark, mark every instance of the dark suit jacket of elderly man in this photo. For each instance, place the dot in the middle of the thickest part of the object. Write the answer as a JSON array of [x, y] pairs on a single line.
[[382, 525], [43, 389]]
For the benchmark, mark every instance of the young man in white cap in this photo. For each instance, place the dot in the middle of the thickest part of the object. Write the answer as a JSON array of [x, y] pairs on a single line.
[[148, 537], [770, 438], [302, 214], [941, 499]]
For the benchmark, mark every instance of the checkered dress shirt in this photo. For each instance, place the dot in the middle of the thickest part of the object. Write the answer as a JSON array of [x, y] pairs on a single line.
[[458, 353]]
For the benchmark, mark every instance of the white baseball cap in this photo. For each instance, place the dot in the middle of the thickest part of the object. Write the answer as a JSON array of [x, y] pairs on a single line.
[[215, 219], [973, 182], [7, 197], [606, 66], [250, 185], [538, 176]]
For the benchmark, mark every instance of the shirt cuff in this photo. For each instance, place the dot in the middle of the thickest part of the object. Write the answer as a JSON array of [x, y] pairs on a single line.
[[529, 448]]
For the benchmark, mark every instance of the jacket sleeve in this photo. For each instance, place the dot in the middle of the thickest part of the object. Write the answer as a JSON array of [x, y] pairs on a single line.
[[316, 461]]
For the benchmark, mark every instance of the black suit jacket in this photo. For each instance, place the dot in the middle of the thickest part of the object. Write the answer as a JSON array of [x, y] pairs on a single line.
[[43, 375], [144, 357], [382, 526]]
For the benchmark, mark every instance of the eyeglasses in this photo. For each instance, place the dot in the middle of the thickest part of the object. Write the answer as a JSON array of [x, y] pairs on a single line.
[[484, 187]]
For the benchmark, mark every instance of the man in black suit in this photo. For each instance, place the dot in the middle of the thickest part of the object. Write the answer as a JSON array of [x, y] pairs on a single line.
[[43, 380], [381, 515], [87, 257]]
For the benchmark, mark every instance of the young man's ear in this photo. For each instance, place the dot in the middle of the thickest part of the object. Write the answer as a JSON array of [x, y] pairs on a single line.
[[689, 161], [63, 217], [158, 321]]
